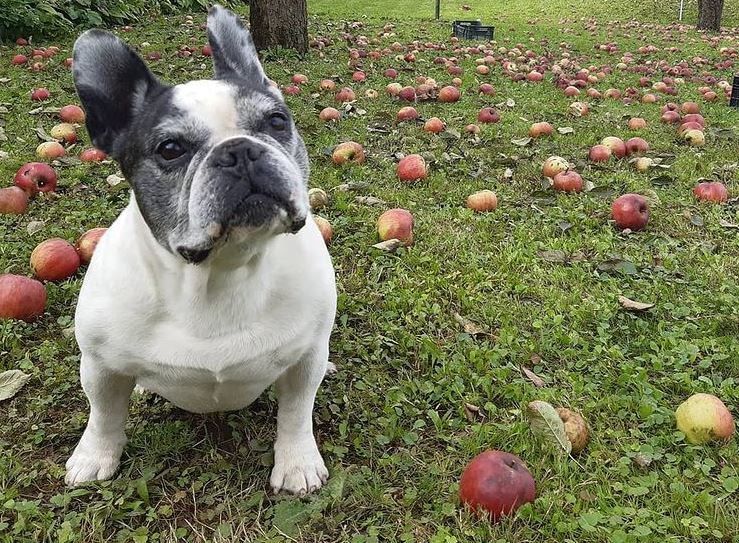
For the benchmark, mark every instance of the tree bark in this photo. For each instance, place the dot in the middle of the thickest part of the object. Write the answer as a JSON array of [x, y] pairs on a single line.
[[281, 23], [709, 14]]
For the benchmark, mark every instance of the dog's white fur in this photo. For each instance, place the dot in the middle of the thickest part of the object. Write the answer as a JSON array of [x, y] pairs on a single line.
[[211, 337]]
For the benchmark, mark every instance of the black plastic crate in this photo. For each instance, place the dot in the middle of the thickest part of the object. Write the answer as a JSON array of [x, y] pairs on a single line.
[[473, 30], [734, 100]]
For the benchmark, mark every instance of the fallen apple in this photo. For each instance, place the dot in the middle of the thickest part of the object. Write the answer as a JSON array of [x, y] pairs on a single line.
[[345, 95], [575, 427], [540, 129], [703, 418], [64, 132], [488, 115], [434, 125], [412, 168], [643, 164], [21, 298], [50, 150], [35, 177], [317, 199], [554, 165], [87, 243], [496, 483], [616, 145], [636, 146], [407, 113], [483, 200], [327, 84], [19, 60], [13, 201], [329, 114], [449, 94], [396, 224], [324, 227], [637, 123], [711, 192], [92, 155], [600, 153], [694, 138], [54, 259], [348, 152], [39, 95], [630, 211], [72, 114], [567, 181]]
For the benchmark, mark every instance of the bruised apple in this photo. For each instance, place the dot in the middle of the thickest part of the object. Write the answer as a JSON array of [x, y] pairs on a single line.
[[34, 177], [349, 151], [54, 259], [21, 298], [495, 484], [554, 165]]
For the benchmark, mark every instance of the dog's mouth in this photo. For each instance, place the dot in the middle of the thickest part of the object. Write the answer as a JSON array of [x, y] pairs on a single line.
[[257, 215]]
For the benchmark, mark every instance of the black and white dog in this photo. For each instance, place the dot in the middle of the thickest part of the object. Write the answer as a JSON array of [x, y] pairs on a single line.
[[214, 282]]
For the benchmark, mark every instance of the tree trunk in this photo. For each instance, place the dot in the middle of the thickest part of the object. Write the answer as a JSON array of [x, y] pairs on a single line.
[[281, 23], [709, 14]]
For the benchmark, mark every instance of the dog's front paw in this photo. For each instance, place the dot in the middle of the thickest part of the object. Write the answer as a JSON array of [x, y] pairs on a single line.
[[299, 468], [93, 461]]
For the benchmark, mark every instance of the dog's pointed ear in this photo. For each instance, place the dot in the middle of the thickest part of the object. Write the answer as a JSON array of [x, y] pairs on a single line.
[[112, 82], [233, 52]]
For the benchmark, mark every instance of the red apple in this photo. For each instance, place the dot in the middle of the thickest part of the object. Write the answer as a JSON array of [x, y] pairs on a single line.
[[670, 117], [540, 129], [690, 107], [327, 84], [21, 41], [567, 181], [329, 114], [359, 76], [396, 224], [348, 151], [554, 165], [534, 76], [391, 73], [449, 94], [711, 192], [393, 89], [496, 483], [13, 201], [637, 123], [39, 95], [72, 114], [21, 298], [637, 146], [87, 243], [434, 125], [19, 60], [50, 150], [689, 126], [35, 177], [486, 88], [630, 211], [64, 132], [324, 227], [345, 95], [300, 79], [54, 259], [488, 115], [206, 50], [291, 90], [484, 200], [616, 145], [407, 113], [694, 118], [412, 168], [408, 94], [571, 91], [92, 155]]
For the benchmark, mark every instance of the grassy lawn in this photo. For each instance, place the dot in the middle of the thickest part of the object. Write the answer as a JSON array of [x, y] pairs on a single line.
[[395, 423]]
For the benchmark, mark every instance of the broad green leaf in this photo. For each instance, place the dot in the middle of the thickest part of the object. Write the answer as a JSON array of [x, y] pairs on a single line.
[[545, 422]]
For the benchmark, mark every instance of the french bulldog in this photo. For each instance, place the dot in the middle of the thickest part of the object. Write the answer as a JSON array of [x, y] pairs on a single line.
[[214, 282]]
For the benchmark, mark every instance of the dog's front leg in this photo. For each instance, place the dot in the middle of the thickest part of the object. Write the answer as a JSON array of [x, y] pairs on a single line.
[[299, 467], [98, 453]]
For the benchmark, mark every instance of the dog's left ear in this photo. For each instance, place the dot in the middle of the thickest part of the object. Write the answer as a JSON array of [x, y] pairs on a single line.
[[233, 52]]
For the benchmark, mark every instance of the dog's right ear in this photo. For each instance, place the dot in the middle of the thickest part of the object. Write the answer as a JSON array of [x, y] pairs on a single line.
[[112, 82]]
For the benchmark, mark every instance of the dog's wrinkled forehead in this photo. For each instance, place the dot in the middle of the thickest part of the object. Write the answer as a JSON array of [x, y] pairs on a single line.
[[220, 107]]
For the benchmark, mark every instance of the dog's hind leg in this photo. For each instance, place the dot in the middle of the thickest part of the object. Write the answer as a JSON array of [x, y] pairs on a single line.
[[299, 467], [98, 452]]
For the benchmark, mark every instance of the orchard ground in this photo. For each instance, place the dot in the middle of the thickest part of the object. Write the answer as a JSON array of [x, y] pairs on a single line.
[[417, 394]]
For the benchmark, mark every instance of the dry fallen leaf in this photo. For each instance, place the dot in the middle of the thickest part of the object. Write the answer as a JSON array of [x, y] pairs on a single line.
[[11, 381], [472, 412], [34, 226], [565, 130], [727, 224], [631, 305], [469, 327], [538, 381], [369, 200], [389, 245]]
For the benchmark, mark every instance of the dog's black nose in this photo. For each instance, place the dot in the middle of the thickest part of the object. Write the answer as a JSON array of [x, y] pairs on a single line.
[[296, 225], [193, 256], [239, 152]]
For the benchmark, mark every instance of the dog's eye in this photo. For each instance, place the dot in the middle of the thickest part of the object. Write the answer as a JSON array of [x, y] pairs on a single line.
[[278, 121], [170, 149]]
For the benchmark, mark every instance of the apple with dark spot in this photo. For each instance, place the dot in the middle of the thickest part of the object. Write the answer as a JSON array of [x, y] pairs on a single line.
[[35, 177]]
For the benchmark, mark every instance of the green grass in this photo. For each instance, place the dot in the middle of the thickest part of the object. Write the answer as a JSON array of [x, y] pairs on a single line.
[[392, 423]]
